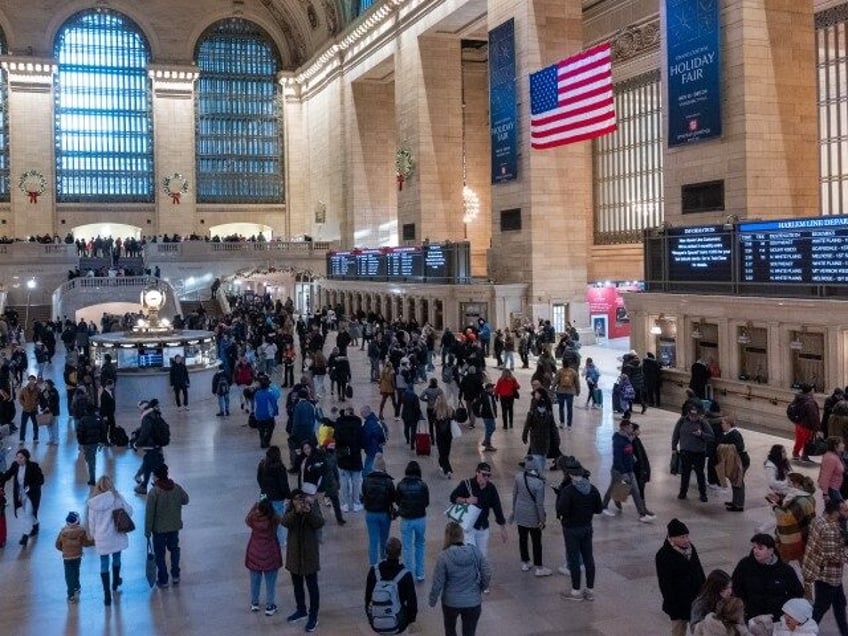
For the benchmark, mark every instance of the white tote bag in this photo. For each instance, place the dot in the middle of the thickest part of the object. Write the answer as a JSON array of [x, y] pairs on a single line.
[[456, 430], [465, 515]]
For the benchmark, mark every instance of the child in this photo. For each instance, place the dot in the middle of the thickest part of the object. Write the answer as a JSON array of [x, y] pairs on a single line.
[[71, 540]]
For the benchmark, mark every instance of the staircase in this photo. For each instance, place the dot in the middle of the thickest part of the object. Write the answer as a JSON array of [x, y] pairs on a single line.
[[135, 265], [36, 312]]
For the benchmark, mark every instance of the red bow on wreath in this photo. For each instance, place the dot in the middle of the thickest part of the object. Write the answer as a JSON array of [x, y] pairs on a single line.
[[33, 196], [175, 198]]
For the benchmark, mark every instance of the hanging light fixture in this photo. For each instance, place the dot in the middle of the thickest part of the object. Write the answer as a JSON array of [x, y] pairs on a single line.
[[697, 334], [745, 335], [796, 344], [656, 330], [470, 200]]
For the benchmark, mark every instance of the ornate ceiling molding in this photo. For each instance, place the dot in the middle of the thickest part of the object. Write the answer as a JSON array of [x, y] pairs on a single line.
[[635, 40]]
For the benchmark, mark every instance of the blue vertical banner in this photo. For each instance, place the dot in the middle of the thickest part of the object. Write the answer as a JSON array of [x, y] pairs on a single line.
[[693, 48], [503, 117]]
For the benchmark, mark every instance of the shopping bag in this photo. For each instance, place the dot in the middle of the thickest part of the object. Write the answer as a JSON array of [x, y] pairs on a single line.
[[465, 515], [150, 568], [620, 491], [674, 464]]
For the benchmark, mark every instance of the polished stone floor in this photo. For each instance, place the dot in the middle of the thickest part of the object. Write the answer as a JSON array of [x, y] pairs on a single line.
[[214, 459]]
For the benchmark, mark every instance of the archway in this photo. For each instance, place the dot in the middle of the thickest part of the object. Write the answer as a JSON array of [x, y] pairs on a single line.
[[105, 230]]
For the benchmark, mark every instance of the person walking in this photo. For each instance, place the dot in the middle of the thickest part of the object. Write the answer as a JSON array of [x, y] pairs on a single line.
[[263, 557], [539, 427], [692, 434], [461, 573], [413, 497], [481, 492], [823, 564], [163, 520], [28, 399], [410, 413], [805, 415], [349, 439], [147, 439], [623, 471], [578, 501], [221, 390], [49, 402], [506, 390], [108, 541], [373, 438], [444, 434], [487, 410], [106, 408], [265, 410], [391, 570], [528, 512], [679, 574], [70, 542], [91, 435], [179, 381], [593, 376], [303, 521], [567, 385], [387, 388], [378, 497], [26, 490]]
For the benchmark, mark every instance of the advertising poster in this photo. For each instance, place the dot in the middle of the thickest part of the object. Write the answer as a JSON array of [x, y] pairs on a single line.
[[502, 102], [607, 310], [693, 48]]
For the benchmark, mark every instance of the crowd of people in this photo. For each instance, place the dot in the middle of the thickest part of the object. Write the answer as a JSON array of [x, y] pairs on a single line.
[[335, 454]]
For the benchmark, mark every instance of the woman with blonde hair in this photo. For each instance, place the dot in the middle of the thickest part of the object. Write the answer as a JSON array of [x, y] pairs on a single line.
[[101, 527], [443, 417], [459, 578]]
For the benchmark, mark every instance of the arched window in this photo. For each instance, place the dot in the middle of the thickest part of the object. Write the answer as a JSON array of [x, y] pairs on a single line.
[[104, 127], [239, 129], [4, 125]]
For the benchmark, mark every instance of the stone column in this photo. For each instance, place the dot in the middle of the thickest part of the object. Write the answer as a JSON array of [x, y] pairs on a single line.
[[173, 142], [428, 109], [766, 156], [554, 187], [30, 135]]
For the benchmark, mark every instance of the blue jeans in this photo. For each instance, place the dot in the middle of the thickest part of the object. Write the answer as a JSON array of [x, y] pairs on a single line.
[[566, 400], [224, 403], [104, 561], [412, 533], [171, 541], [489, 424], [282, 532], [368, 466], [578, 545], [53, 431], [378, 524], [509, 360], [351, 483], [72, 573], [270, 587]]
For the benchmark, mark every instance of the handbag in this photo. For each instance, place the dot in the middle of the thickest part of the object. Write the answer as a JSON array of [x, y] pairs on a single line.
[[621, 491], [349, 392], [465, 515], [456, 429], [150, 566], [461, 414], [674, 464], [123, 522], [816, 446], [44, 419]]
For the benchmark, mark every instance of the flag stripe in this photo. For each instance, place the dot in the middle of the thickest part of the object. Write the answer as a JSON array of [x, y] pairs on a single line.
[[573, 101]]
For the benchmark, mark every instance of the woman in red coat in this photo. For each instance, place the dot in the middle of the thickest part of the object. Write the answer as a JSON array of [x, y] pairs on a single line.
[[263, 557]]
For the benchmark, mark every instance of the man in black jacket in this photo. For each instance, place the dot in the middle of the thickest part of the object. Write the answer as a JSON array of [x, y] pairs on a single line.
[[487, 409], [107, 408], [349, 441], [378, 497], [481, 492], [145, 439], [652, 379], [578, 501], [180, 382], [413, 497], [91, 433], [763, 581], [389, 570], [680, 576]]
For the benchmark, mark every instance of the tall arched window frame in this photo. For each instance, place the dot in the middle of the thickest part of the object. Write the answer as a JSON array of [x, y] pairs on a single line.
[[104, 123], [239, 124], [4, 126]]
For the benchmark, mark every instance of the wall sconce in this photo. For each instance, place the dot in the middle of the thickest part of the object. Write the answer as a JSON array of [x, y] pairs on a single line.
[[656, 330], [796, 344], [745, 336], [730, 221], [697, 334]]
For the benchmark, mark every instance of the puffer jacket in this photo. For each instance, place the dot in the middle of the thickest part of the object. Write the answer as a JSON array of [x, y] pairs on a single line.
[[413, 497], [101, 526], [263, 550], [378, 492], [537, 431], [460, 576]]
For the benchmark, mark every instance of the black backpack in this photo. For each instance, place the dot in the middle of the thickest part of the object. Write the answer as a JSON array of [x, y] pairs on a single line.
[[160, 432], [223, 387], [795, 412]]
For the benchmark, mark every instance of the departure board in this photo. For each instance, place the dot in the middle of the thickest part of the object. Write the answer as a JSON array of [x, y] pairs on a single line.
[[341, 265], [701, 253], [405, 263], [437, 262], [801, 251], [371, 264]]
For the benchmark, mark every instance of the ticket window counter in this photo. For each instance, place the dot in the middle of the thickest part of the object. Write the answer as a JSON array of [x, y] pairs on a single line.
[[438, 315], [472, 312], [706, 346], [806, 351], [752, 345], [665, 340]]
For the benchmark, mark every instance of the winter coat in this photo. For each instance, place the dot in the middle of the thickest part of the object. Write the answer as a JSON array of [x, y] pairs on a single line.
[[273, 481], [373, 435], [302, 555], [164, 511], [387, 381], [263, 549], [101, 526], [71, 540], [578, 501], [537, 429], [91, 429], [378, 492], [349, 439], [410, 411], [528, 495], [711, 626], [459, 577], [764, 588], [623, 460], [302, 421], [793, 518], [33, 481], [178, 375], [680, 580], [684, 435], [413, 497]]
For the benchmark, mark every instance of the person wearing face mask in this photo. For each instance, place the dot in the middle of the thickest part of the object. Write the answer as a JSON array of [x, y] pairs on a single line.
[[763, 581], [692, 434], [680, 576]]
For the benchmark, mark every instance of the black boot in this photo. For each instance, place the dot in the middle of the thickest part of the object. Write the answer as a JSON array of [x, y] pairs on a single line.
[[116, 578], [34, 530], [107, 593], [24, 540]]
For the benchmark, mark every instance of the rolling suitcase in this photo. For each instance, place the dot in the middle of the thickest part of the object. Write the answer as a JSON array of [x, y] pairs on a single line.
[[598, 397], [422, 441]]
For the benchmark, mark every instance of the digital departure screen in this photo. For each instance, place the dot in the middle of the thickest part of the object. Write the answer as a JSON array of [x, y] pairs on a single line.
[[701, 253], [437, 264], [341, 265], [371, 264], [802, 251], [405, 263], [448, 262]]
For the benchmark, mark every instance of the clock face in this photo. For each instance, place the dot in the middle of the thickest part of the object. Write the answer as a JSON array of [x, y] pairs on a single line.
[[153, 298]]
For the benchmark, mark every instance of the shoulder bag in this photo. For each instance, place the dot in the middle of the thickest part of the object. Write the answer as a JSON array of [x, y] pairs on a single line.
[[465, 515]]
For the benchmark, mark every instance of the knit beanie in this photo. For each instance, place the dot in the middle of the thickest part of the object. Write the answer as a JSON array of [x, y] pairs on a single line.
[[676, 528]]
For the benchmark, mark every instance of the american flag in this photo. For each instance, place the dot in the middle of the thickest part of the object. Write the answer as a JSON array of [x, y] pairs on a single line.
[[572, 100]]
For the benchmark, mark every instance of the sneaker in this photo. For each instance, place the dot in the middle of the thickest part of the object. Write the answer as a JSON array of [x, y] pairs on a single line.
[[713, 487], [573, 595], [543, 572], [489, 449], [646, 518], [525, 566], [254, 607], [588, 595], [345, 508], [607, 512], [175, 580], [312, 624], [270, 610], [186, 408], [296, 616], [563, 569], [140, 490], [357, 507], [162, 586]]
